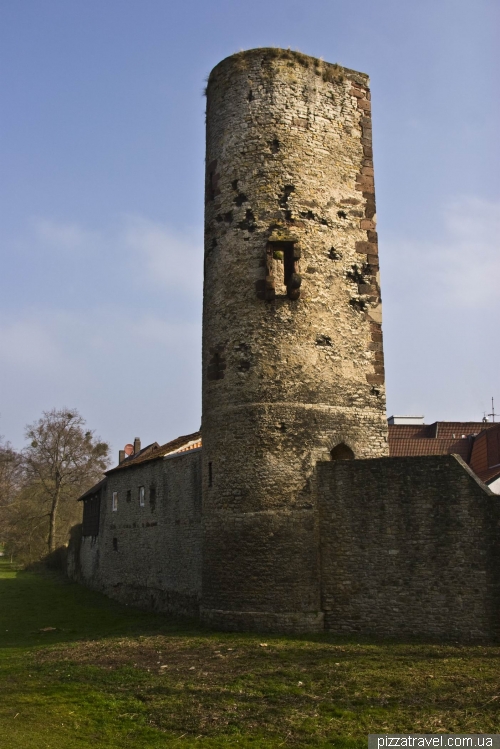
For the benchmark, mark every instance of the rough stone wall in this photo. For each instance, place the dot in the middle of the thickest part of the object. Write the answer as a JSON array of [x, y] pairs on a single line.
[[292, 342], [292, 368], [73, 557], [409, 546], [89, 559], [150, 556]]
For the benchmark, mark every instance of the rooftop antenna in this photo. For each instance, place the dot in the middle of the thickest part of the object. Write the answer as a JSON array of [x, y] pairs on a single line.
[[492, 414]]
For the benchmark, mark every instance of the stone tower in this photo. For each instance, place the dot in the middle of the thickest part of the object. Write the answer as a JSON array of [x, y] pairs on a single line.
[[292, 343]]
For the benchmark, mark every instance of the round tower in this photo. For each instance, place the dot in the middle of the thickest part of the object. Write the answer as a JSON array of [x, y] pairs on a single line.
[[292, 342]]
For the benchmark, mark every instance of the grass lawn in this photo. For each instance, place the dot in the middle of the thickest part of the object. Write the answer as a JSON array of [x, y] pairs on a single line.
[[110, 677]]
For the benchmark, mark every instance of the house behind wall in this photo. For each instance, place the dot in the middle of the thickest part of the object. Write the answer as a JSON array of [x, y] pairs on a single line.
[[148, 555], [408, 546]]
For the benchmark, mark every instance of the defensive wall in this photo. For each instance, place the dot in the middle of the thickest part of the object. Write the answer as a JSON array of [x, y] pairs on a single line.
[[409, 547], [149, 555], [402, 547], [270, 526]]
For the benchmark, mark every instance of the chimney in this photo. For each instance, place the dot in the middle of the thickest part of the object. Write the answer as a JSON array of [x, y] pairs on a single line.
[[121, 456], [137, 445]]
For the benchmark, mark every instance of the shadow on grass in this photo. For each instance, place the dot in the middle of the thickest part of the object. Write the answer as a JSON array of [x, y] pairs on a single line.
[[33, 601], [114, 676]]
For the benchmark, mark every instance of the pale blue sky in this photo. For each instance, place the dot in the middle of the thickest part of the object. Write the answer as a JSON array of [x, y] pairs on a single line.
[[102, 149]]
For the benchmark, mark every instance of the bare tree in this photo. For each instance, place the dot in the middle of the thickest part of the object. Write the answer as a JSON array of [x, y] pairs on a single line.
[[10, 485], [10, 473], [61, 461]]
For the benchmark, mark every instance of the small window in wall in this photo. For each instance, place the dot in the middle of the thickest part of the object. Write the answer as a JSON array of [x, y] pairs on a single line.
[[282, 276], [210, 474], [115, 544], [129, 495], [342, 452], [152, 496], [217, 364], [114, 502], [141, 496]]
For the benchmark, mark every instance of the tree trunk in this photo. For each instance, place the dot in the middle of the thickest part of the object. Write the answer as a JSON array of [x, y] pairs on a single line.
[[52, 522]]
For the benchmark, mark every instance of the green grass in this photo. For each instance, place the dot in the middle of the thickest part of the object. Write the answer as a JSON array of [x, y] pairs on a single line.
[[109, 677]]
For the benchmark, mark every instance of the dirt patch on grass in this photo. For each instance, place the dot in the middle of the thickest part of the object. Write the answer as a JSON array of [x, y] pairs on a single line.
[[300, 689], [160, 681], [210, 656]]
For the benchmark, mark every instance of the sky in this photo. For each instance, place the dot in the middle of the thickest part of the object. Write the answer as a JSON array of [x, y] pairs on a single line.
[[101, 195]]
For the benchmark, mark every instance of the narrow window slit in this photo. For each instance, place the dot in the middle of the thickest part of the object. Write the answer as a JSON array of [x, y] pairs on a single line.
[[282, 277]]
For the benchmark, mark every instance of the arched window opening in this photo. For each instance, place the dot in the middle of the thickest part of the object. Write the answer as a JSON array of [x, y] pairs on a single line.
[[341, 452]]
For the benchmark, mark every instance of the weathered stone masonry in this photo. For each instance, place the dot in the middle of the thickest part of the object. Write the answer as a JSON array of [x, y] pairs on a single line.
[[409, 546], [292, 534], [292, 345], [149, 555]]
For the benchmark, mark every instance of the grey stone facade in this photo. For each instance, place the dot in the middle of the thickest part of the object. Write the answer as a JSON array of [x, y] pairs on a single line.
[[149, 555], [400, 547], [269, 526], [409, 546]]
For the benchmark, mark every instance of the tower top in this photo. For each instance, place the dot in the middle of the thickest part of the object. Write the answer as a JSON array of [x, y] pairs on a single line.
[[332, 72]]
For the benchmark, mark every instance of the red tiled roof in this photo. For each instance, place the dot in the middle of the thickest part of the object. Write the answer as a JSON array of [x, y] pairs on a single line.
[[439, 438], [449, 429], [485, 458], [489, 474], [155, 451], [399, 448]]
